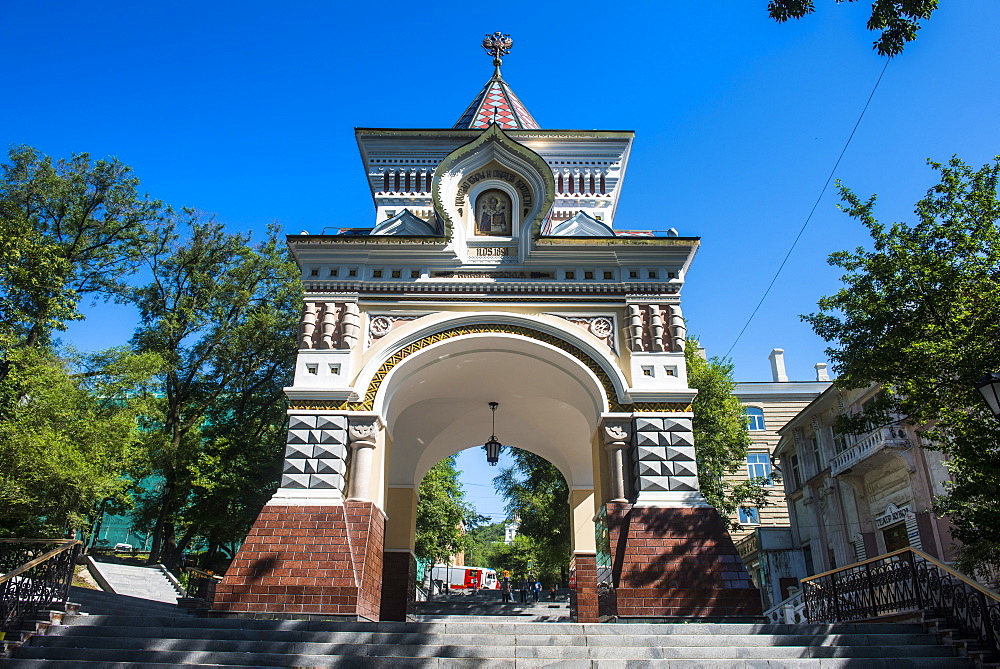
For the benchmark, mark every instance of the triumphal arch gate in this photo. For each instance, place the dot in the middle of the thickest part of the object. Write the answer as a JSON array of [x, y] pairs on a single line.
[[494, 272]]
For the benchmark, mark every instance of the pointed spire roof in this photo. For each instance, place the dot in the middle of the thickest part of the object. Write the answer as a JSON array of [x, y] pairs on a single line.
[[496, 103]]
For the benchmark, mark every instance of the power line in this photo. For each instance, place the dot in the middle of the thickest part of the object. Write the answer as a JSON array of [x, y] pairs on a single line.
[[822, 192]]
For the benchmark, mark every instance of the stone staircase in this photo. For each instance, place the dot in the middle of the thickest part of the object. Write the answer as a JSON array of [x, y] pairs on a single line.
[[146, 582], [130, 632], [488, 605]]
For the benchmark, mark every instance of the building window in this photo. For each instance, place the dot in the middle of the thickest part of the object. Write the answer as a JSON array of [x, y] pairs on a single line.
[[755, 418], [793, 465], [841, 441], [817, 454], [749, 516], [759, 466], [807, 556]]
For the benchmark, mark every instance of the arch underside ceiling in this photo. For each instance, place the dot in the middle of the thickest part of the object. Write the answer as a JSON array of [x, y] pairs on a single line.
[[437, 403]]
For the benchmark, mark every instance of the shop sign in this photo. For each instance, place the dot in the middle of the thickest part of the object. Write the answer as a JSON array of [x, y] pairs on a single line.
[[893, 514]]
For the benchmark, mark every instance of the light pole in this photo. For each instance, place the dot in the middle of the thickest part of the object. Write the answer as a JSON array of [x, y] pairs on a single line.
[[989, 388]]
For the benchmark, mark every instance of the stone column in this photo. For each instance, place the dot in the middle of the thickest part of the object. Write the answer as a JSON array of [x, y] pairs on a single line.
[[617, 436], [362, 431]]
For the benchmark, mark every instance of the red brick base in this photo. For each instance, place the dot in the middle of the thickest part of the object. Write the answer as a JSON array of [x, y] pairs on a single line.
[[583, 594], [677, 563], [399, 585], [324, 560]]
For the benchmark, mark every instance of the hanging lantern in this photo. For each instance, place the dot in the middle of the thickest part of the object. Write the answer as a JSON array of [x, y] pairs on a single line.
[[493, 446]]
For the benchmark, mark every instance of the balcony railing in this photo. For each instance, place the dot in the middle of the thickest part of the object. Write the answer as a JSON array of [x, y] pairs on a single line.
[[36, 577], [906, 582], [883, 437]]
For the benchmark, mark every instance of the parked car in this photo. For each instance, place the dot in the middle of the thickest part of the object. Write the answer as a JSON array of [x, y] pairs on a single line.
[[124, 548]]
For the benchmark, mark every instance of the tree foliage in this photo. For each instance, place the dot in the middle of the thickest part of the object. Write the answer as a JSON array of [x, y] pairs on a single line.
[[898, 20], [443, 516], [537, 495], [222, 314], [68, 228], [919, 313], [721, 439], [68, 433]]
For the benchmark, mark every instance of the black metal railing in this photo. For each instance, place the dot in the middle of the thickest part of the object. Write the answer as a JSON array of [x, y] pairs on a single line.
[[201, 584], [36, 576], [907, 581]]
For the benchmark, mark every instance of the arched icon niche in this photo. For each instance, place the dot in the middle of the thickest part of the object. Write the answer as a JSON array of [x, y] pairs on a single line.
[[493, 212]]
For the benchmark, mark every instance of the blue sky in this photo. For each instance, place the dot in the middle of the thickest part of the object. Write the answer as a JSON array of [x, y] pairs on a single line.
[[246, 110]]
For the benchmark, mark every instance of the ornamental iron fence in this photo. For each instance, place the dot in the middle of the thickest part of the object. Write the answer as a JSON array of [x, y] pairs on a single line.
[[907, 581], [36, 577], [201, 584]]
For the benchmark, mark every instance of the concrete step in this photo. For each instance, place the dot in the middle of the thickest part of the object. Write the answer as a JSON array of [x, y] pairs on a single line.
[[474, 663], [485, 646], [164, 638], [399, 658]]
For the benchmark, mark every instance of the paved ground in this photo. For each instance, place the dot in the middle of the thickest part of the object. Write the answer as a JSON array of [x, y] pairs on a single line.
[[143, 582]]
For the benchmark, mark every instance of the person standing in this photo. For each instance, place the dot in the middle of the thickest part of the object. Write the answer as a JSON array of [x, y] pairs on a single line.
[[522, 589], [505, 587], [536, 590]]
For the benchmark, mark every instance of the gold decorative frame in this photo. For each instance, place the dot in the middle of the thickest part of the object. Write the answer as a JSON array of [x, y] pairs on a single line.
[[368, 403]]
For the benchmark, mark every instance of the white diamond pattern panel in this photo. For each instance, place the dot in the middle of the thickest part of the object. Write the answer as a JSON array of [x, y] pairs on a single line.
[[315, 453], [664, 455]]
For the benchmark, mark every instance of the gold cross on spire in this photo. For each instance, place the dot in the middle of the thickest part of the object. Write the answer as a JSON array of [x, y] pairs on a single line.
[[498, 44]]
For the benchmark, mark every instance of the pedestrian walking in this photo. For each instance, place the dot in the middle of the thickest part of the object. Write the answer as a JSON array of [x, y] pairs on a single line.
[[522, 589], [536, 590], [505, 587], [553, 590]]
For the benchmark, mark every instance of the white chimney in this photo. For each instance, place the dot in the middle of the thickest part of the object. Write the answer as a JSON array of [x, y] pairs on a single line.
[[821, 374], [778, 365]]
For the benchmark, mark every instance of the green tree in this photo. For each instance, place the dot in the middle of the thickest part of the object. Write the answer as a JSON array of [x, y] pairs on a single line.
[[919, 314], [68, 229], [537, 495], [443, 516], [898, 20], [68, 433], [481, 542], [222, 314], [721, 439]]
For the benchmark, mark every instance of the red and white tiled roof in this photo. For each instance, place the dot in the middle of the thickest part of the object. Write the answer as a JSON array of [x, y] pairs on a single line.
[[496, 103]]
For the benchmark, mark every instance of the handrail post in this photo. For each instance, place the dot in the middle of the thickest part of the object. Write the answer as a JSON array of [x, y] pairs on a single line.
[[991, 635], [916, 580], [74, 554]]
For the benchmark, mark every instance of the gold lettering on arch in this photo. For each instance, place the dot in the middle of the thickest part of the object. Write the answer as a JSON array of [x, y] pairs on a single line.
[[527, 197]]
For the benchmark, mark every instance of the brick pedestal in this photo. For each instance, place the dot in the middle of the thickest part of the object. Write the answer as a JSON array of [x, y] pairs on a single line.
[[583, 595], [677, 563], [322, 560], [399, 585]]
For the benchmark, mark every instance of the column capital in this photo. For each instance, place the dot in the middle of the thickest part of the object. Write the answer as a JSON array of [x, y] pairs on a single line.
[[616, 432], [363, 429]]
